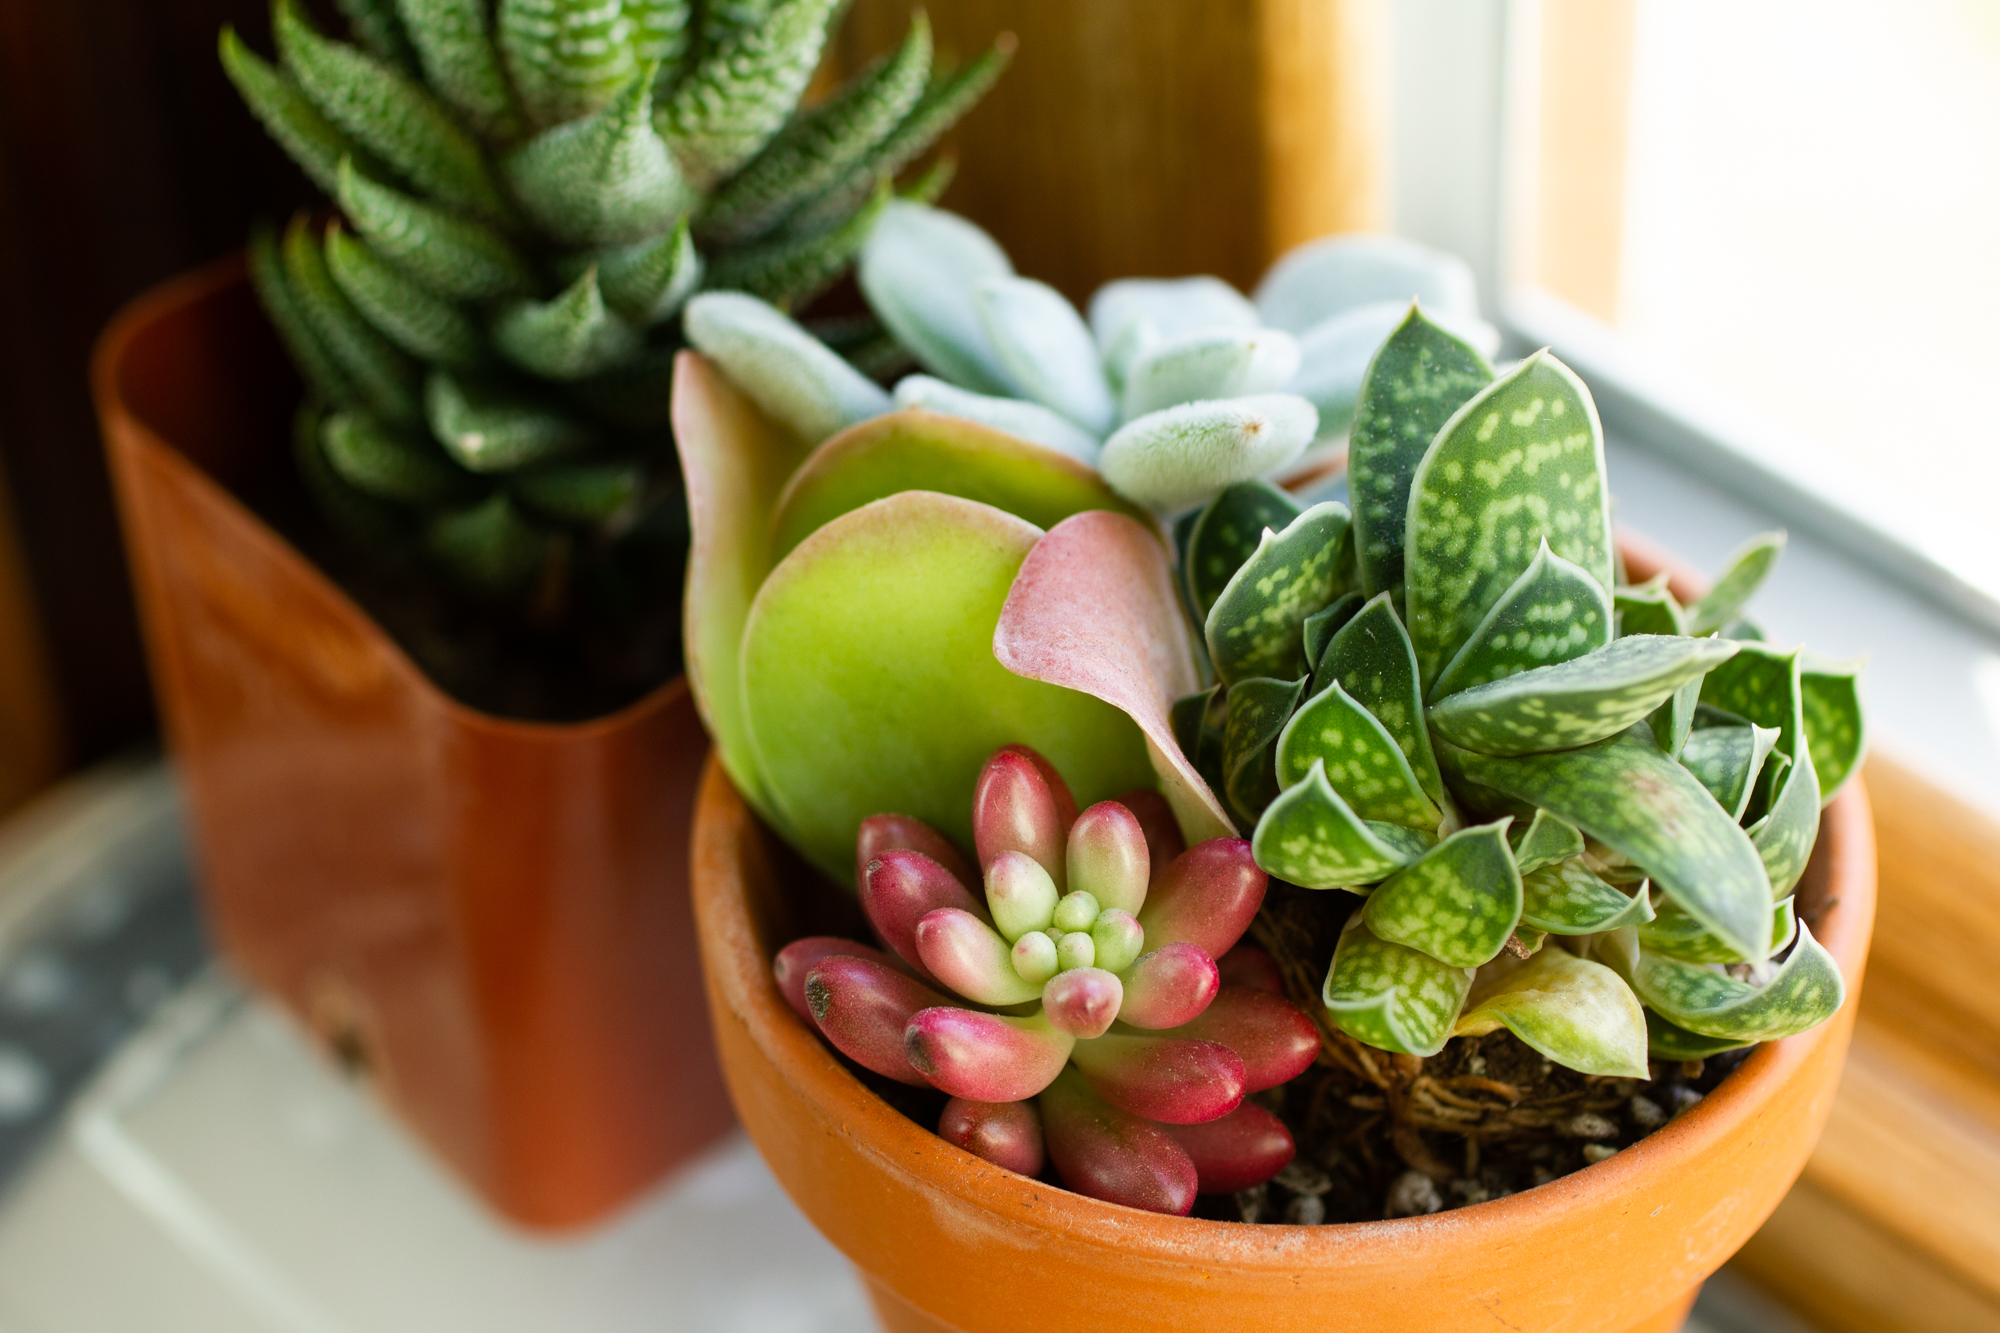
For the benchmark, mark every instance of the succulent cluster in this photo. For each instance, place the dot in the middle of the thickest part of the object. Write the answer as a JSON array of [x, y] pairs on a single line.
[[528, 192], [1095, 976], [1575, 808]]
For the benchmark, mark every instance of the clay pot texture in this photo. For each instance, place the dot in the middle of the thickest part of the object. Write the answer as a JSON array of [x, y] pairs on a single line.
[[490, 916], [947, 1241]]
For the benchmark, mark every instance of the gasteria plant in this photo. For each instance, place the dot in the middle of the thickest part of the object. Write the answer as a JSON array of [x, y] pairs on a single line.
[[1094, 977], [528, 192]]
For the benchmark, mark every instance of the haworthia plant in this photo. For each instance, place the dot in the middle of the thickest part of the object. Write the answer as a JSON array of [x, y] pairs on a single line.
[[1650, 789], [532, 191]]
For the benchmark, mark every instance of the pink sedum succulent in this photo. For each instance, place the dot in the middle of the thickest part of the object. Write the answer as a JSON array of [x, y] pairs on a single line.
[[1090, 1008]]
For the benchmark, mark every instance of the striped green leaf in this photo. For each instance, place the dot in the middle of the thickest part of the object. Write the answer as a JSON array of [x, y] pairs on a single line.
[[392, 463], [647, 281], [790, 270], [384, 378], [454, 44], [358, 517], [1309, 837], [566, 58], [1745, 572], [454, 256], [1577, 702], [376, 26], [1577, 1012], [1565, 898], [1727, 760], [1458, 903], [490, 547], [1418, 379], [1520, 463], [1807, 989], [323, 374], [1672, 933], [1254, 627], [1371, 658], [421, 324], [1555, 612], [497, 431], [586, 494], [1545, 841], [1258, 710], [1392, 997], [1227, 533], [567, 338], [604, 178], [732, 103], [663, 35], [313, 141], [1361, 759]]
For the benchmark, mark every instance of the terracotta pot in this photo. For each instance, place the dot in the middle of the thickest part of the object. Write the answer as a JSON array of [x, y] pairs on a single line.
[[490, 916], [947, 1241]]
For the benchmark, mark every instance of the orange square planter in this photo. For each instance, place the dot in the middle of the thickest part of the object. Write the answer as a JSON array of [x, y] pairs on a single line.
[[491, 916]]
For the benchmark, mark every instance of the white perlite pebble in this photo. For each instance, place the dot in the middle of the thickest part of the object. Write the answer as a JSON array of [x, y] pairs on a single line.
[[1646, 1112], [1597, 1152], [1307, 1210], [1589, 1125], [1413, 1194]]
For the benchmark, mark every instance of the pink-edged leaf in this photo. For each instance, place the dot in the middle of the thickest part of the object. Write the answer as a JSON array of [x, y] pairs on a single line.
[[1006, 1134], [864, 1008], [985, 1057], [1170, 1079], [1021, 805], [1248, 965], [1275, 1039], [1163, 832], [901, 833], [1108, 857], [1083, 1001], [1244, 1148], [1105, 1153], [1093, 608], [898, 889], [799, 957], [971, 958], [1168, 987], [1207, 897]]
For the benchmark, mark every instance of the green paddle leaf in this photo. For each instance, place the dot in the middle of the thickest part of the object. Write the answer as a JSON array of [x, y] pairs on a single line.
[[1227, 533], [1744, 573], [1258, 710], [1545, 841], [1834, 727], [1391, 997], [1578, 1013], [1672, 933], [1321, 626], [1523, 461], [1649, 608], [1566, 898], [1785, 836], [1361, 759], [1309, 837], [1627, 794], [1417, 380], [1458, 903], [1664, 1041], [1254, 627], [1555, 612], [1806, 990], [1673, 720], [1576, 702], [1727, 760], [1370, 657]]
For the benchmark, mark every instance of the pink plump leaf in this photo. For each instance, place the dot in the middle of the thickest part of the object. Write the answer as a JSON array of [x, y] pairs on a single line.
[[1207, 897], [1171, 1079], [1244, 1148], [1248, 965], [1105, 1153], [1108, 856], [1015, 808], [1083, 1001], [799, 957], [985, 1057], [970, 957], [863, 1008], [1006, 1134], [898, 888], [902, 833], [1276, 1040], [1163, 832], [1169, 987]]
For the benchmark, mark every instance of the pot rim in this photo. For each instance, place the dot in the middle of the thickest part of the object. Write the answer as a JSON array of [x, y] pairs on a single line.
[[727, 835], [126, 429]]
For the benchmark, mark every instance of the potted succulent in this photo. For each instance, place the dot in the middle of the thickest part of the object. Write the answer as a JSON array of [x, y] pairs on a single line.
[[417, 637], [1562, 861]]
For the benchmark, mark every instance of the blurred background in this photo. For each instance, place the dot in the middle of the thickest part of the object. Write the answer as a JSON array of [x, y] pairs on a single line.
[[1762, 228]]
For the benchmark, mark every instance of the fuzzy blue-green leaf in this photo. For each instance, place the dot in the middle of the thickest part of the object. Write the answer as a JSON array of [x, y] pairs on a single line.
[[1310, 837], [1458, 903], [1371, 658], [1627, 794], [588, 494], [1254, 627], [384, 378], [1555, 612], [1183, 455], [604, 178], [1227, 533], [1565, 898], [565, 58], [1577, 702], [391, 463], [496, 431], [732, 103], [1806, 990], [567, 338], [313, 141], [1741, 576], [1578, 1013], [489, 547], [1391, 997], [819, 147], [1045, 349], [647, 281], [1520, 463], [1418, 378], [1672, 933], [453, 256], [1362, 760], [796, 379], [1320, 627], [421, 324], [918, 271], [1206, 364], [1664, 1041], [1545, 841], [1835, 729], [1172, 306], [389, 114], [1785, 835], [1727, 760], [1024, 420], [454, 44], [375, 25], [1649, 608], [790, 270], [1322, 278], [323, 374], [1258, 711]]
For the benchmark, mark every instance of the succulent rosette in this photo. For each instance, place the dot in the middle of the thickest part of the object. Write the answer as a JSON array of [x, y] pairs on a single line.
[[1076, 1011]]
